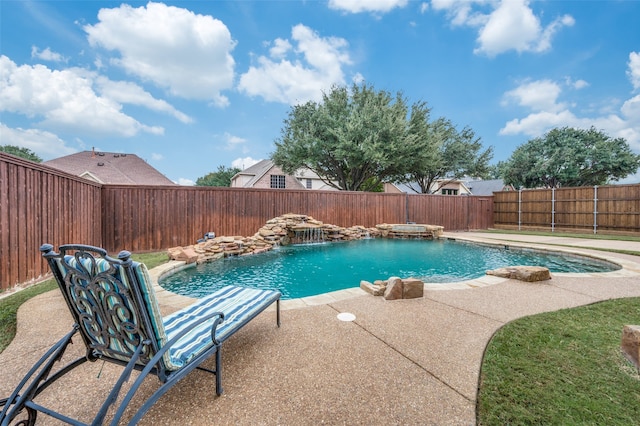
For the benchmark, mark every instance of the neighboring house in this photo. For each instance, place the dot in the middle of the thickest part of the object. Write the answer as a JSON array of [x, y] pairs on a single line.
[[456, 187], [488, 187], [310, 180], [265, 174], [110, 168]]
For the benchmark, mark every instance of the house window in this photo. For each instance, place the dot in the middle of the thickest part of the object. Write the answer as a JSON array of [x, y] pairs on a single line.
[[449, 191], [278, 181], [309, 184]]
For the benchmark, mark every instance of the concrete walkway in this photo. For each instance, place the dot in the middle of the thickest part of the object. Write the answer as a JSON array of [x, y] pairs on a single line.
[[399, 362]]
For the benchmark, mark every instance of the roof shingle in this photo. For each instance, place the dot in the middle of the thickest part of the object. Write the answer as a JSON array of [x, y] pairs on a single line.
[[110, 168]]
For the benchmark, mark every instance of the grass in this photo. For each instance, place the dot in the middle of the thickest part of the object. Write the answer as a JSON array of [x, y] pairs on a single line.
[[10, 304], [562, 367], [565, 234], [576, 235]]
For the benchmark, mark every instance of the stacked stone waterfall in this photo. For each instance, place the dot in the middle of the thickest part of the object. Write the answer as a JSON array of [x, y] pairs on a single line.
[[295, 229], [282, 230]]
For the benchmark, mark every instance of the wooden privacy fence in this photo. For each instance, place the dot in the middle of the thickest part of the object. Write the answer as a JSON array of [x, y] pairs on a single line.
[[143, 218], [39, 204], [598, 209]]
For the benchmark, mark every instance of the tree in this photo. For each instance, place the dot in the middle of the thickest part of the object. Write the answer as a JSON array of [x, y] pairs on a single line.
[[353, 139], [221, 177], [444, 154], [25, 153], [568, 157]]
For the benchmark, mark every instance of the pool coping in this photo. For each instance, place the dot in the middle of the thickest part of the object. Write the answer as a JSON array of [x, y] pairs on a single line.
[[628, 268]]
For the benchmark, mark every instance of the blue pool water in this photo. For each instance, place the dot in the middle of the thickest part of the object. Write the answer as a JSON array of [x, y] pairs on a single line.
[[305, 270]]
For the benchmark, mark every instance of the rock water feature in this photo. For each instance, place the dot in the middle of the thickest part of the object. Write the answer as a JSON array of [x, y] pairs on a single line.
[[294, 229], [302, 229]]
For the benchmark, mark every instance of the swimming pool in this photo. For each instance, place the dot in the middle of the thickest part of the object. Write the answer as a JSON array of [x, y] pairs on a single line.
[[306, 270]]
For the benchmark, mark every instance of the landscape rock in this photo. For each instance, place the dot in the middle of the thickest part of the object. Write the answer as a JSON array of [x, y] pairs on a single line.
[[394, 289], [412, 288], [631, 344], [522, 273], [184, 254], [376, 290]]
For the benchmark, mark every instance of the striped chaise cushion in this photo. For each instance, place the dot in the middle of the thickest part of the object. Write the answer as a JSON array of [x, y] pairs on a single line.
[[238, 304]]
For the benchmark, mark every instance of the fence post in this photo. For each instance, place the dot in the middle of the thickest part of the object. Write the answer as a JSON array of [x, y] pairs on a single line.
[[406, 207], [595, 209], [553, 209], [519, 208]]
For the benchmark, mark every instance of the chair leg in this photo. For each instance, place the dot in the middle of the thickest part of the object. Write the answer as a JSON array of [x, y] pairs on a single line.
[[36, 380], [219, 371], [32, 414]]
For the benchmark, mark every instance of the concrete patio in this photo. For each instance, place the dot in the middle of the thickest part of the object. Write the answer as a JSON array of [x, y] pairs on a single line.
[[404, 362]]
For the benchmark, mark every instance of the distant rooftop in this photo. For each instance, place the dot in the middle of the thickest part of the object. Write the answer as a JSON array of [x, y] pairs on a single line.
[[487, 187], [110, 168]]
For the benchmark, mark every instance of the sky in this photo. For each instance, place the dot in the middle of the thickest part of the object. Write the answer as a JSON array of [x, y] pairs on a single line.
[[193, 85]]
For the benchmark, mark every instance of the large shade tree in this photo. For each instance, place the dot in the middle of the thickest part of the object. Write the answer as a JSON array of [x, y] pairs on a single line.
[[569, 157], [18, 151], [221, 177], [353, 139], [444, 155]]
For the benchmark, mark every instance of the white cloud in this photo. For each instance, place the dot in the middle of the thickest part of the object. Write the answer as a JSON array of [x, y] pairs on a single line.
[[186, 53], [185, 182], [131, 93], [536, 124], [156, 157], [460, 12], [541, 98], [511, 25], [576, 84], [45, 144], [233, 141], [358, 6], [66, 100], [280, 48], [316, 65], [424, 6], [357, 78], [541, 95], [46, 55], [243, 163], [634, 69]]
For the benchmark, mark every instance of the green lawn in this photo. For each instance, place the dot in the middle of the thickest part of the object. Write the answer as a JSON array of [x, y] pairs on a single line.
[[572, 235], [562, 367], [10, 304], [566, 234]]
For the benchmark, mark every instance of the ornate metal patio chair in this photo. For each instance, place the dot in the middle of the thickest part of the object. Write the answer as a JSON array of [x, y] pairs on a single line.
[[117, 316]]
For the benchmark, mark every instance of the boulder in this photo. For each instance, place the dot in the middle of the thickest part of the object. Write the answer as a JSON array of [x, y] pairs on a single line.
[[185, 254], [394, 289], [266, 232], [522, 273], [376, 290], [412, 288], [631, 344]]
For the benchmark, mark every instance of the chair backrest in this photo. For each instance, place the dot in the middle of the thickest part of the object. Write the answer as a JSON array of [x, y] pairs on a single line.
[[111, 300]]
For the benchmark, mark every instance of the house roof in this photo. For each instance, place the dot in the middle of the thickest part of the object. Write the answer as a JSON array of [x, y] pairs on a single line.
[[110, 168], [414, 188], [257, 171], [485, 187]]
